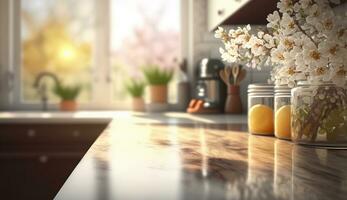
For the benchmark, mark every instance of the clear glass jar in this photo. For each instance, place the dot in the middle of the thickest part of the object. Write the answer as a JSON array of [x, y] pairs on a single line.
[[260, 109], [319, 115], [282, 112]]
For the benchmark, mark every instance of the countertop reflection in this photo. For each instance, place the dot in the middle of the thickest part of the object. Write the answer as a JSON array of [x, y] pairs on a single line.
[[203, 161]]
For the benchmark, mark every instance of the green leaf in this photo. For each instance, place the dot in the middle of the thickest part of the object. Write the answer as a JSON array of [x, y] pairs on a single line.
[[135, 87], [157, 76], [67, 92]]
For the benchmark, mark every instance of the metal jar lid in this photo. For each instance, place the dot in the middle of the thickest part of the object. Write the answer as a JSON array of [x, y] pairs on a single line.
[[261, 88], [282, 89]]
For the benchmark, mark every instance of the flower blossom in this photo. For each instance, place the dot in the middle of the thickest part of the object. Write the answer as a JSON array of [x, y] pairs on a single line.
[[304, 40]]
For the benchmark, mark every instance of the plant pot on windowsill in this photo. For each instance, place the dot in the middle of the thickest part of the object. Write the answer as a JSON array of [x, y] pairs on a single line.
[[158, 98], [136, 88], [158, 79], [158, 93], [68, 105], [68, 95], [138, 104]]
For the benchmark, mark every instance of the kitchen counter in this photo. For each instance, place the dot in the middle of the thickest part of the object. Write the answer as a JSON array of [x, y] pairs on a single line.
[[202, 160], [121, 116]]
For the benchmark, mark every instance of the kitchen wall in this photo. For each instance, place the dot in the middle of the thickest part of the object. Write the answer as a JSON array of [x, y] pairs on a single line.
[[4, 54], [201, 43]]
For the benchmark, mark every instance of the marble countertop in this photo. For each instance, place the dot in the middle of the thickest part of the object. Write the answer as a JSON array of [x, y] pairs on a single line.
[[202, 161], [120, 116]]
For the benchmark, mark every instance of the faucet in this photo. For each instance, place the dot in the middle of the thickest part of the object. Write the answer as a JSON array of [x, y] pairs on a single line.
[[42, 89]]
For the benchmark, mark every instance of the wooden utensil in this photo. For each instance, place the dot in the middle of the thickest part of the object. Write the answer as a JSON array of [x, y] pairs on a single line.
[[228, 73], [241, 76], [224, 77], [235, 71]]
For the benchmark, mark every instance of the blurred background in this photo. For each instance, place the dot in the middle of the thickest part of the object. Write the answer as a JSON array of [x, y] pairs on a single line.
[[97, 45]]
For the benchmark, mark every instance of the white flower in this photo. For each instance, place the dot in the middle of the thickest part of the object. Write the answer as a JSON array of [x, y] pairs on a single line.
[[269, 41], [226, 56], [219, 32], [232, 49], [300, 62], [325, 22], [288, 42], [285, 75], [332, 50], [261, 34], [314, 10], [297, 7], [305, 3], [243, 38], [313, 57], [285, 6], [273, 20], [258, 50], [319, 75], [277, 56], [305, 40], [288, 25]]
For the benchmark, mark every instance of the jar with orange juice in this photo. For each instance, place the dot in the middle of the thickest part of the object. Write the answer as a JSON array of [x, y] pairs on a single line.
[[260, 109], [282, 112]]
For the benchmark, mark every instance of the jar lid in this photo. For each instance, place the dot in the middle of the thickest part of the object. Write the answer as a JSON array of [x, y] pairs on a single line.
[[261, 88], [284, 89]]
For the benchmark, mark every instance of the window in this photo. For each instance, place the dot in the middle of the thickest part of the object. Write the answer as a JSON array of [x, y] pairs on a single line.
[[96, 44], [143, 33], [57, 39]]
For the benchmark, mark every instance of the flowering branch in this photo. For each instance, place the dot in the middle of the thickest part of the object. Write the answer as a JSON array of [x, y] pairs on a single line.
[[304, 32], [305, 40]]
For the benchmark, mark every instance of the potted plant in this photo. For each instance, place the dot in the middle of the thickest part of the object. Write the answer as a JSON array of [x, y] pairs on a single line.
[[136, 88], [158, 79], [68, 95]]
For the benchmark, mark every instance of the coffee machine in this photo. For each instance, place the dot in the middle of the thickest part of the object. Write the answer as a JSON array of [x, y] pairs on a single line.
[[210, 91]]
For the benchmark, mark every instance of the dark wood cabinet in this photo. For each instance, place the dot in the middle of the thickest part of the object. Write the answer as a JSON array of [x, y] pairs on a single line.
[[37, 158], [234, 12]]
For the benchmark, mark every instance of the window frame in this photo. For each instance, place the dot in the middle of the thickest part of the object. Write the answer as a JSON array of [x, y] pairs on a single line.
[[101, 76]]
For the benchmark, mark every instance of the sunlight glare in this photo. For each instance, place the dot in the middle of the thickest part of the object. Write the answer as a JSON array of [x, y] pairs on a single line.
[[67, 52]]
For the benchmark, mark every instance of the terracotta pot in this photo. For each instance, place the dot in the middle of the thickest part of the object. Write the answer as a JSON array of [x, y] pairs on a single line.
[[233, 103], [68, 105], [158, 93], [138, 104]]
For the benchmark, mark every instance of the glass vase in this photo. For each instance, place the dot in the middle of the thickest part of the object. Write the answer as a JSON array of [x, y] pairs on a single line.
[[319, 115]]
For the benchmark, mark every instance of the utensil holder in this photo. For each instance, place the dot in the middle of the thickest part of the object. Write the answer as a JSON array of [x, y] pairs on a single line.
[[233, 103]]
